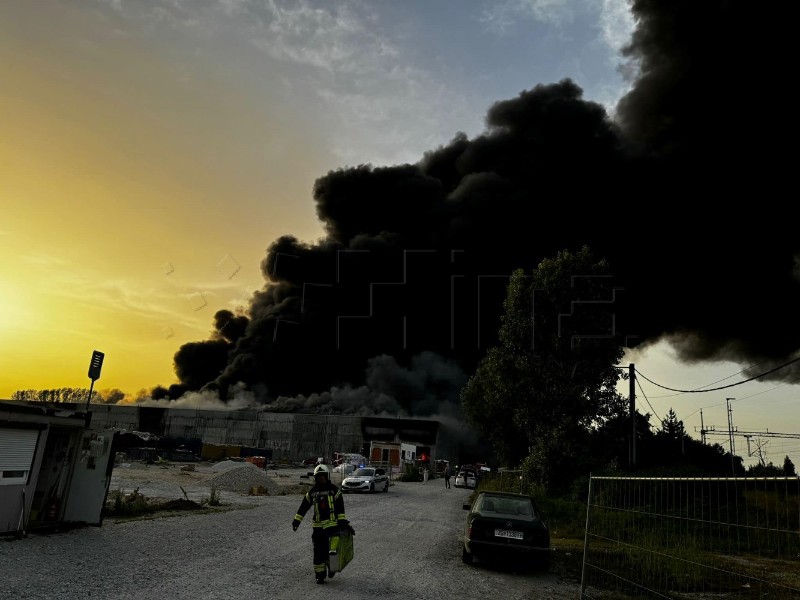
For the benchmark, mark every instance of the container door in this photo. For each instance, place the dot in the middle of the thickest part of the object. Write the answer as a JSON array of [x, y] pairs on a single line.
[[91, 478]]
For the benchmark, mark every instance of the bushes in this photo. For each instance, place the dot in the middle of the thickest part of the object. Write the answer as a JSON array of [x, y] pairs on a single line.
[[120, 504], [565, 515], [411, 473]]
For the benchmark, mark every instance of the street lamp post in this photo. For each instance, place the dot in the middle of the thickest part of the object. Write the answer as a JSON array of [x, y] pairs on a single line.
[[95, 366]]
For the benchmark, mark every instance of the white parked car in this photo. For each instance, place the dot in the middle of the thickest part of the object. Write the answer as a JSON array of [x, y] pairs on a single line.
[[366, 479], [466, 479]]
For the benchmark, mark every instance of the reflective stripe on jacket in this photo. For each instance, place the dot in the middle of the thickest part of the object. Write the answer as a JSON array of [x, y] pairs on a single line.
[[328, 505]]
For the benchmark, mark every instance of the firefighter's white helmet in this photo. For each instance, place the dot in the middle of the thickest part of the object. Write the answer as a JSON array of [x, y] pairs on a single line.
[[322, 470]]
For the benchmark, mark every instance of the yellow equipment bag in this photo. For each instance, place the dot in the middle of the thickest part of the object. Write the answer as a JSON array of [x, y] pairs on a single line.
[[341, 550]]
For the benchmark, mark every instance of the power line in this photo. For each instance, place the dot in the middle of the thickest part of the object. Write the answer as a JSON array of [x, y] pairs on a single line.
[[718, 388], [733, 375], [720, 403], [753, 366], [646, 400], [747, 368], [762, 392]]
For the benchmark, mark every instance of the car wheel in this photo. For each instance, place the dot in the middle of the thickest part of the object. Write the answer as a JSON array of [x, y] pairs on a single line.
[[371, 487], [466, 557]]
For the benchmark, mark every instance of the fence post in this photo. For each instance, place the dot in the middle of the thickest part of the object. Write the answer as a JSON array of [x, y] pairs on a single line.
[[586, 539]]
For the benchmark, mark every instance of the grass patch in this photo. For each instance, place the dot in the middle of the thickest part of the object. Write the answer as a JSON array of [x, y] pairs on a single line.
[[213, 499], [565, 517], [134, 505], [120, 504]]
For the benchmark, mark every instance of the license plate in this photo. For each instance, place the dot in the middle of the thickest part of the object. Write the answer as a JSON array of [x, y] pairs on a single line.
[[504, 533]]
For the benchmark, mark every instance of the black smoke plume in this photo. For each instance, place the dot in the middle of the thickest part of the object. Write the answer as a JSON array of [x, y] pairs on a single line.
[[685, 190]]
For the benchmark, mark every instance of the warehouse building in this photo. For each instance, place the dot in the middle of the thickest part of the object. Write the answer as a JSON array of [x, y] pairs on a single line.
[[288, 437]]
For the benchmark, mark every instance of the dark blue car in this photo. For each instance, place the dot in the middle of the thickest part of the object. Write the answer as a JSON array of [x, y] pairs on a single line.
[[508, 527]]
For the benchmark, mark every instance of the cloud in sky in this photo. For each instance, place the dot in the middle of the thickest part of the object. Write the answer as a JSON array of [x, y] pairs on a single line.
[[499, 17], [385, 99], [41, 259], [334, 59]]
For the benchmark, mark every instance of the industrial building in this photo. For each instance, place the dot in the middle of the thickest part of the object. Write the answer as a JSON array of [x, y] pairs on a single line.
[[288, 437]]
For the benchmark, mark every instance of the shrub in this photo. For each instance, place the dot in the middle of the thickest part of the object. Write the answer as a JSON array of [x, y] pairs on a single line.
[[213, 499], [122, 504]]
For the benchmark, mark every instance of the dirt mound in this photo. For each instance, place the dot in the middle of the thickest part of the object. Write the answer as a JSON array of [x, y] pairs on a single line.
[[179, 504], [240, 477]]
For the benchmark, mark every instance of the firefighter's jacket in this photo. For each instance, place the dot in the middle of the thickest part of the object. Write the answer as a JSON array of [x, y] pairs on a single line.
[[328, 504]]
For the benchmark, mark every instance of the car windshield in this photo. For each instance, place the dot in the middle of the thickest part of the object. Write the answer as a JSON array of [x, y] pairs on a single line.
[[364, 472], [507, 506]]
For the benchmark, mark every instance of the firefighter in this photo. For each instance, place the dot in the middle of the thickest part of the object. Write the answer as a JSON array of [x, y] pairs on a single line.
[[328, 504]]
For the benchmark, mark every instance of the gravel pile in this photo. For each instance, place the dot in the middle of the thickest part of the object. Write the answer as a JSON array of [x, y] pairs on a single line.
[[240, 477]]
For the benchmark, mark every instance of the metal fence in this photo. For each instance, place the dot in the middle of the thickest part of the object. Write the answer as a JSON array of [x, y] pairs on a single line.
[[692, 538]]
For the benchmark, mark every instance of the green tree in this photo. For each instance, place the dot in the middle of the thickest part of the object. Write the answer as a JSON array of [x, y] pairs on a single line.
[[788, 467], [670, 452], [671, 427], [768, 470], [552, 378]]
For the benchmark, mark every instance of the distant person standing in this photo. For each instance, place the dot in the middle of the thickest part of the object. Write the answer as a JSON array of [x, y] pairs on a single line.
[[447, 477], [425, 475]]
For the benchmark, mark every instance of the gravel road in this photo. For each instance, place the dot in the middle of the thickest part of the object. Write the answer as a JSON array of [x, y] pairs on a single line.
[[407, 546]]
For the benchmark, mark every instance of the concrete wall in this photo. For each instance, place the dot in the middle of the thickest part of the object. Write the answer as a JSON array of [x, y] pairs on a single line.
[[109, 416]]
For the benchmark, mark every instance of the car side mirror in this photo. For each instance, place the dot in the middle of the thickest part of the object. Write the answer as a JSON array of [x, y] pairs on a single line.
[[466, 506]]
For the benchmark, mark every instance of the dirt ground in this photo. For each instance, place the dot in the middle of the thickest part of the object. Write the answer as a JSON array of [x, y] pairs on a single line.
[[167, 482], [193, 481]]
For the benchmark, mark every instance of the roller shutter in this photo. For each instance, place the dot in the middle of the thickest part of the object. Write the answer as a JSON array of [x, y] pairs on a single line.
[[17, 447]]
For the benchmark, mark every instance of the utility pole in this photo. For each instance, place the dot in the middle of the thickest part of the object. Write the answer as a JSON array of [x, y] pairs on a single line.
[[702, 428], [683, 444], [730, 434], [632, 378]]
